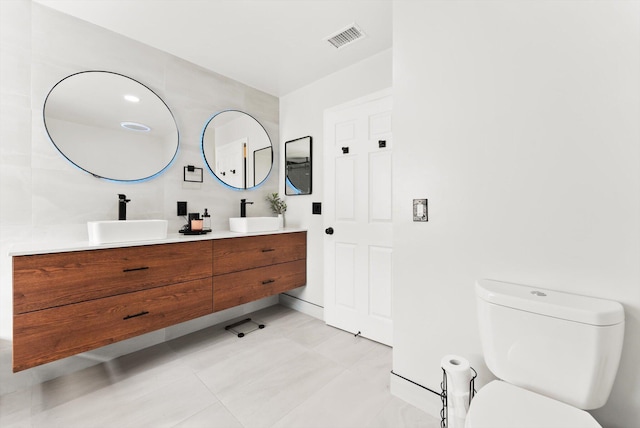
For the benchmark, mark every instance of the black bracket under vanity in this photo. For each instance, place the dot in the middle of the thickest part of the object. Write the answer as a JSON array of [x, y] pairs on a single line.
[[247, 322]]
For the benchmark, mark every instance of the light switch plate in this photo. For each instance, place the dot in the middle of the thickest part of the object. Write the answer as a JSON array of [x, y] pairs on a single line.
[[420, 210], [182, 208]]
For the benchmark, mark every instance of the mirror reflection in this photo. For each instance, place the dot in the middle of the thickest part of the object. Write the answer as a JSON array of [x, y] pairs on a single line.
[[237, 149], [297, 154], [111, 126]]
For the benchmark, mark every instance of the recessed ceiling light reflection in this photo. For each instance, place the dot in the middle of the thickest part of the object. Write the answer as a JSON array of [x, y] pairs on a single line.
[[132, 98], [134, 126]]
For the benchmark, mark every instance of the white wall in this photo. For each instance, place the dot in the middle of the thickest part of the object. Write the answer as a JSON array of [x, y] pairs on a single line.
[[43, 197], [519, 122], [301, 114]]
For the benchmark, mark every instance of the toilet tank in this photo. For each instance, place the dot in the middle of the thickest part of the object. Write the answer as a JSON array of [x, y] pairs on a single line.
[[561, 345]]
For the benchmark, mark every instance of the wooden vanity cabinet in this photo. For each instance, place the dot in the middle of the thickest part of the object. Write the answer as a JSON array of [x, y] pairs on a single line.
[[66, 303], [249, 252], [71, 302], [50, 334], [46, 280], [237, 288], [253, 267]]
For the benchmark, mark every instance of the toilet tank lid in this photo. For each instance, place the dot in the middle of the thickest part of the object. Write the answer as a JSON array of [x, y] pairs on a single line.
[[557, 304]]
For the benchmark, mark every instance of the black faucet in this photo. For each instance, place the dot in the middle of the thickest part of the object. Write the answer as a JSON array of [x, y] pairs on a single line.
[[243, 207], [122, 206]]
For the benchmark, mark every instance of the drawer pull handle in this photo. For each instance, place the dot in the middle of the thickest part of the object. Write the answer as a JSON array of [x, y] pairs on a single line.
[[136, 315], [268, 281], [266, 250], [135, 269]]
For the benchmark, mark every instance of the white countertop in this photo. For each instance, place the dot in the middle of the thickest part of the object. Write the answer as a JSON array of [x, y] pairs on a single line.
[[32, 248]]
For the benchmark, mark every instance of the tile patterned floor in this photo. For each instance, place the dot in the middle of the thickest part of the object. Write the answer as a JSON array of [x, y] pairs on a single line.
[[296, 372]]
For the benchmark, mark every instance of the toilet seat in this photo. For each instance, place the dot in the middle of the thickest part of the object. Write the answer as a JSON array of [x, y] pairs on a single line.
[[502, 405]]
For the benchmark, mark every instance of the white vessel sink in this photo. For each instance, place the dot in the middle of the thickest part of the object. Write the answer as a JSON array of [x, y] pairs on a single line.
[[253, 224], [106, 232]]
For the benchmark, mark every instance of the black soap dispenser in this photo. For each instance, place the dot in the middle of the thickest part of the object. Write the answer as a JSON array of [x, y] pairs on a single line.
[[206, 226]]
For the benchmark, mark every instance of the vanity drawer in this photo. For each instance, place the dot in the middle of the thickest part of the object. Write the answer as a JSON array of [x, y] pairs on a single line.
[[49, 280], [43, 336], [237, 254], [242, 287]]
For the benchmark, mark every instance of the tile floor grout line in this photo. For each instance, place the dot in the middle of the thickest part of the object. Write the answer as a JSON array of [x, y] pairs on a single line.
[[310, 397], [332, 369]]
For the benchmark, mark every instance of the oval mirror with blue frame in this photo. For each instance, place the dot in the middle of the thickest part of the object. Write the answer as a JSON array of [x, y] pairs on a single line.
[[237, 149], [111, 126]]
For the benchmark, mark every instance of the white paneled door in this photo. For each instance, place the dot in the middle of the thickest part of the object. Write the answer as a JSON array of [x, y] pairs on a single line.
[[358, 223], [230, 160]]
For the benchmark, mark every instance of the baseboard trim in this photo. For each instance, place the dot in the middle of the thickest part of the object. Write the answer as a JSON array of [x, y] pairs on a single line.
[[303, 306], [417, 395]]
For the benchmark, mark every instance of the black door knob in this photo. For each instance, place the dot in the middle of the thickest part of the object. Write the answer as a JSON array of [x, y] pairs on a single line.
[[329, 231]]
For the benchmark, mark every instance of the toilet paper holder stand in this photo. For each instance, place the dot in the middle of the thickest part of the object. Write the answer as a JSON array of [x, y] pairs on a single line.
[[443, 394]]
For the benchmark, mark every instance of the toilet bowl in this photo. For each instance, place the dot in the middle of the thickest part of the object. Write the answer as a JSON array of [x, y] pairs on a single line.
[[556, 355], [502, 405]]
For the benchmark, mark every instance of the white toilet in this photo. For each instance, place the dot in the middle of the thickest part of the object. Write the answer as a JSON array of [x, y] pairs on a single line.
[[555, 354]]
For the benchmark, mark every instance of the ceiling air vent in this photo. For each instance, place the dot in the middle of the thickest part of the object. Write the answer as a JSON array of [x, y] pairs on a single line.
[[346, 36]]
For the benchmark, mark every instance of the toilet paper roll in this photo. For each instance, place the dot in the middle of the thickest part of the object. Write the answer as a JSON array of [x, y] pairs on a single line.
[[458, 372], [458, 375], [460, 404]]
